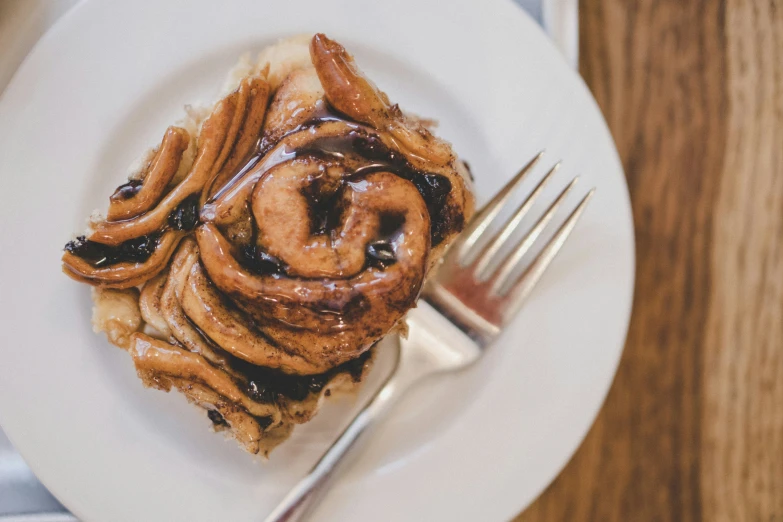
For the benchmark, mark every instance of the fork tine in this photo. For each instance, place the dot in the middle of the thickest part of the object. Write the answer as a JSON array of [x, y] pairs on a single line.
[[502, 274], [511, 225], [484, 217], [529, 278]]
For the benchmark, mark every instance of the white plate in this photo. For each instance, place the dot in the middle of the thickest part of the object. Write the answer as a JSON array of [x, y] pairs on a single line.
[[102, 85]]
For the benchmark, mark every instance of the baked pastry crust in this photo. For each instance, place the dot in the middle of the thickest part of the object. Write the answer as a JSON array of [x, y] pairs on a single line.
[[255, 257]]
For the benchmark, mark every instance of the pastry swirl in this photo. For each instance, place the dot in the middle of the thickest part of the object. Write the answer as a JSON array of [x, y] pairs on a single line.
[[290, 232]]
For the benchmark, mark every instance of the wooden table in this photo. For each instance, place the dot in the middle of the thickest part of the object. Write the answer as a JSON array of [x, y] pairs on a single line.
[[692, 429]]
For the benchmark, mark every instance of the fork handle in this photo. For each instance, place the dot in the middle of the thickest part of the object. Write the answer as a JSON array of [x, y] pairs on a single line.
[[306, 494]]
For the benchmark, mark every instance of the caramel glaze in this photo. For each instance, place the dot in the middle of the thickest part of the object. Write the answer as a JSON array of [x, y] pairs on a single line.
[[313, 231], [137, 197], [260, 407], [366, 151], [178, 303]]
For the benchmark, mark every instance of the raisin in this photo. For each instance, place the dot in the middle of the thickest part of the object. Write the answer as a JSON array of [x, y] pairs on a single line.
[[216, 418], [127, 190], [261, 262], [433, 188], [136, 250], [380, 254], [185, 216], [260, 393], [317, 383], [264, 421]]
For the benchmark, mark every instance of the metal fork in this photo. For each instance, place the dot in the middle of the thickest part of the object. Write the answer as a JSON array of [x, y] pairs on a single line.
[[461, 311]]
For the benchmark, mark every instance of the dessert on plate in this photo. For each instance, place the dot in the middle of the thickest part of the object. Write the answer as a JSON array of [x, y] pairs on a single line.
[[256, 255]]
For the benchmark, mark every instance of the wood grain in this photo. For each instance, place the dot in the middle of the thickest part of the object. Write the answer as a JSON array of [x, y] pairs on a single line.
[[692, 428]]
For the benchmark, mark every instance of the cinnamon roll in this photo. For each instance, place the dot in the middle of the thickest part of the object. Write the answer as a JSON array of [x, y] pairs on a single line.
[[266, 245]]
